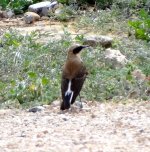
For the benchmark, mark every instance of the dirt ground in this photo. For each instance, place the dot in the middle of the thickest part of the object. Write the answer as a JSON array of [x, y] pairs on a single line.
[[98, 127], [54, 28]]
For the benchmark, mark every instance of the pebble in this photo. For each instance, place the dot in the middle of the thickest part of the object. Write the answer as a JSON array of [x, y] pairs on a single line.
[[36, 109]]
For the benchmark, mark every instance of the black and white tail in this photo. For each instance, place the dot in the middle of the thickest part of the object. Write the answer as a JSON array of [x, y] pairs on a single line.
[[67, 98]]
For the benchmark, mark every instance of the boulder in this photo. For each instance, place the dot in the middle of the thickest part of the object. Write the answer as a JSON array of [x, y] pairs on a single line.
[[101, 40], [30, 17], [115, 58], [42, 8]]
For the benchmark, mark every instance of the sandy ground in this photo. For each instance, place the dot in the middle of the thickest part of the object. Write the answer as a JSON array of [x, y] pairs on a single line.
[[98, 127]]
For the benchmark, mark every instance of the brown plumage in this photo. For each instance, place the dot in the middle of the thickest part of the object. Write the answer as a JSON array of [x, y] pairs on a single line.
[[73, 76]]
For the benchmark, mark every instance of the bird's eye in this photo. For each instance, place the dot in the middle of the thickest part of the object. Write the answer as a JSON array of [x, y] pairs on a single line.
[[77, 49]]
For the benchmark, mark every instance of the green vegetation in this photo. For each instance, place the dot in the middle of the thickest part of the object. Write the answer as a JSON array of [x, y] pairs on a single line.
[[30, 70], [142, 26], [18, 6]]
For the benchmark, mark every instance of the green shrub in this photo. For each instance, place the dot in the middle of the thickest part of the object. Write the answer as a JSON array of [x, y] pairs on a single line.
[[130, 3], [18, 6], [103, 4], [30, 72], [141, 26]]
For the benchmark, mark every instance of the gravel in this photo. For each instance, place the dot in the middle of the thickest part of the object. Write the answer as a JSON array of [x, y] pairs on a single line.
[[98, 127]]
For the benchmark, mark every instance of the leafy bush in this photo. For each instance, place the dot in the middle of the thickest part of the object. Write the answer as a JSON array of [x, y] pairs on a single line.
[[103, 4], [18, 6], [130, 3], [141, 26], [29, 71], [67, 12]]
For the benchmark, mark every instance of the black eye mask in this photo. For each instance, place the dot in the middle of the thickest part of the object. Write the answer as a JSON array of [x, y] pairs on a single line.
[[78, 49]]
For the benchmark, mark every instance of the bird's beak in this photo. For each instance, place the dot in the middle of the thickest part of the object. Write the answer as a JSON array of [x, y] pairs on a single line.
[[87, 46]]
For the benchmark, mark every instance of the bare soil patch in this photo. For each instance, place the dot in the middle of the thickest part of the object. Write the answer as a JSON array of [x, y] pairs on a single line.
[[99, 127]]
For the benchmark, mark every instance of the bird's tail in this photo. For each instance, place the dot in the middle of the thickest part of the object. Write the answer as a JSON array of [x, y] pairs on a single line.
[[67, 101], [67, 98]]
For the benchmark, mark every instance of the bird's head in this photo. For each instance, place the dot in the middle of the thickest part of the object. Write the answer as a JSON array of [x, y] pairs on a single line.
[[75, 50]]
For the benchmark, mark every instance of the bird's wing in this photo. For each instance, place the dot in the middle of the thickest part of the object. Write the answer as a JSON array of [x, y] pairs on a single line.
[[78, 82], [76, 86]]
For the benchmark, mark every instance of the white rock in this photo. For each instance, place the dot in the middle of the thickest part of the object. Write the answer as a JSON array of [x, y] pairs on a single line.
[[42, 8], [30, 17], [115, 57]]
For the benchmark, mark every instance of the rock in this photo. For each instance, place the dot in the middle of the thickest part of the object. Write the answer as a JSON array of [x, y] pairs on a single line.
[[36, 109], [79, 104], [1, 14], [94, 41], [137, 74], [64, 117], [134, 94], [147, 92], [30, 17], [42, 8], [10, 14], [58, 11], [115, 58], [7, 14]]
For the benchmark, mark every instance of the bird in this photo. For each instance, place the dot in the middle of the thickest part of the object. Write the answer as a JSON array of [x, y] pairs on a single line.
[[74, 74]]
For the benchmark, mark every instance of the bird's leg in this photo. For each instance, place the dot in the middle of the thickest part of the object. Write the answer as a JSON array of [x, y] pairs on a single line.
[[81, 106]]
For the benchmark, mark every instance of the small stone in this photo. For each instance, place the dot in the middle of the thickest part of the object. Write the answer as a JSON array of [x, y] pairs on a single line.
[[10, 14], [133, 94], [45, 131], [65, 119], [93, 116], [36, 109], [94, 41], [23, 134], [138, 75], [147, 92], [30, 17], [78, 104], [141, 130], [7, 14], [58, 11]]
